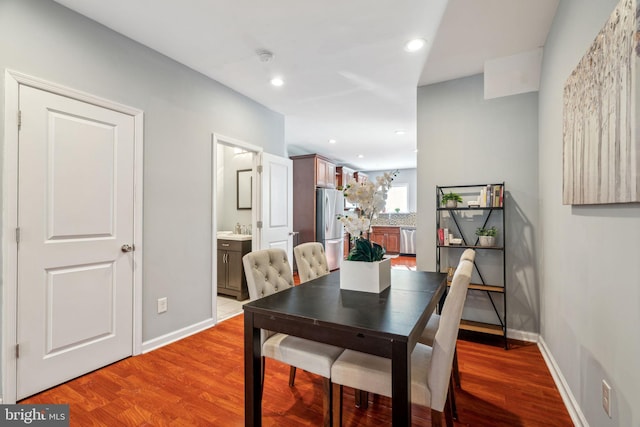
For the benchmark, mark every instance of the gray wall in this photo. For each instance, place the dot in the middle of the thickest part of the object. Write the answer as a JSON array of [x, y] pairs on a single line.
[[463, 139], [181, 111], [588, 255], [405, 176]]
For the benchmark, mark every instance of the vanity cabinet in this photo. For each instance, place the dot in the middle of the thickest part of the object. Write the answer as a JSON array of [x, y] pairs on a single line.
[[231, 278]]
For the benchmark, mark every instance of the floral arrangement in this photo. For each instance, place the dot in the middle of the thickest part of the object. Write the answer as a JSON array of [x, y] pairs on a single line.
[[370, 199]]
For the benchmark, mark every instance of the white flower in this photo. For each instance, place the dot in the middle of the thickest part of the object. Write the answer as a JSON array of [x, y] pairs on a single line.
[[370, 198]]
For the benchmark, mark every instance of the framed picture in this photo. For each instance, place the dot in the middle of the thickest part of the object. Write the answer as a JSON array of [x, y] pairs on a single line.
[[243, 188], [601, 141]]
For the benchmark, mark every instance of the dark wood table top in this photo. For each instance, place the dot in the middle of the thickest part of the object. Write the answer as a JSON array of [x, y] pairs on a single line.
[[393, 314]]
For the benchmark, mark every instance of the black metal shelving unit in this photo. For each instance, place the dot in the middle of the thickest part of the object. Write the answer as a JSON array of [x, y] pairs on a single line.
[[489, 216]]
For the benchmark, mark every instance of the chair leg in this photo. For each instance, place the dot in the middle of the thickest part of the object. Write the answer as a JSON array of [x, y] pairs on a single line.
[[455, 370], [361, 399], [292, 376], [262, 378], [436, 418], [327, 401], [452, 398], [336, 411]]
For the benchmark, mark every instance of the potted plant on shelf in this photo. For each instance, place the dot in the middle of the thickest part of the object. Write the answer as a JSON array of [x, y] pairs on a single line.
[[365, 268], [451, 200], [487, 236]]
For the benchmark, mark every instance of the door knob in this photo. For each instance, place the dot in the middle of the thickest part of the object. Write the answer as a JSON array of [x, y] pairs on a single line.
[[127, 248]]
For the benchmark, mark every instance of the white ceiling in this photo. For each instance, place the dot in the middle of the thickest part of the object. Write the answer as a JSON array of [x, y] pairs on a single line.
[[346, 74]]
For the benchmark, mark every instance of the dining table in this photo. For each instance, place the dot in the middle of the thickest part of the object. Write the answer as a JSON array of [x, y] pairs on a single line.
[[386, 324]]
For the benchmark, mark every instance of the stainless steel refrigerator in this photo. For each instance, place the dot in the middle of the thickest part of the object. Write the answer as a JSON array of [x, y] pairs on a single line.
[[330, 231]]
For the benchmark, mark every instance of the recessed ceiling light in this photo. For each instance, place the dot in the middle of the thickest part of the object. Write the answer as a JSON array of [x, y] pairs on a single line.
[[361, 156], [401, 132], [414, 45], [332, 141], [277, 81]]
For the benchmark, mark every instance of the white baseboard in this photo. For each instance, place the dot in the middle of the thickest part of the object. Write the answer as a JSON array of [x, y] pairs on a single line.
[[567, 397], [522, 335], [163, 340]]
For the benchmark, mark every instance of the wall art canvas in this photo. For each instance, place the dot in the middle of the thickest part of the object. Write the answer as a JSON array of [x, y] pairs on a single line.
[[601, 150]]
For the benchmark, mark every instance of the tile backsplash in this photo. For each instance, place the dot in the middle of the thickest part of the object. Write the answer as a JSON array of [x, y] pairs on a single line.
[[408, 219]]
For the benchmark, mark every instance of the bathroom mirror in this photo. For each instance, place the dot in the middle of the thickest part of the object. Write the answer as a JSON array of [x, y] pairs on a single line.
[[243, 189]]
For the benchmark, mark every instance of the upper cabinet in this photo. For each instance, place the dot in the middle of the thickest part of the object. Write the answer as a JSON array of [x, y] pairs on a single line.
[[343, 176], [360, 177], [325, 173]]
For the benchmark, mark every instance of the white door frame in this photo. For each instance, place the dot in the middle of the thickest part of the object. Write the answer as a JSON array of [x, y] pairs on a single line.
[[231, 142], [13, 80]]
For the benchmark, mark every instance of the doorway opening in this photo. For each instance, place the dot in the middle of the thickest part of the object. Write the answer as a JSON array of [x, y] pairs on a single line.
[[235, 214]]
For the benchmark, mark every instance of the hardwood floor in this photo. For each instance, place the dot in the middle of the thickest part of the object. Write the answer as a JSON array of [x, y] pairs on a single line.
[[198, 381]]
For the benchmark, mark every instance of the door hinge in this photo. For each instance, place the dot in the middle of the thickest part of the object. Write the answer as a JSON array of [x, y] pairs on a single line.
[[17, 351], [259, 168], [259, 224], [19, 119], [17, 234]]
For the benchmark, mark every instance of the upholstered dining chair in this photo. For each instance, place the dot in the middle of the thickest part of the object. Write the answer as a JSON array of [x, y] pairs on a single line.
[[268, 271], [311, 261], [430, 366], [429, 332]]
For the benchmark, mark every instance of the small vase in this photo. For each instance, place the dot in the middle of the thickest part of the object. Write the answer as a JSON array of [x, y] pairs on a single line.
[[451, 204], [365, 276]]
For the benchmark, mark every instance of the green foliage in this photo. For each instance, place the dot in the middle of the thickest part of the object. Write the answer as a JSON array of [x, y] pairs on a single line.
[[365, 250], [486, 231], [450, 196]]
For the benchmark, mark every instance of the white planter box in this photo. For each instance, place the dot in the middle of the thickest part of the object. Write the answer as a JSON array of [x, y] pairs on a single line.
[[365, 276]]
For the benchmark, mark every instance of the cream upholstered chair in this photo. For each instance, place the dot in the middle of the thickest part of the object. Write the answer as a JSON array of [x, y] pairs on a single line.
[[268, 271], [430, 366], [311, 261], [429, 332]]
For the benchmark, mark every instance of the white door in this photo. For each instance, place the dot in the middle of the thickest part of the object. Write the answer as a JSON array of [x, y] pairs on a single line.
[[75, 216], [276, 203]]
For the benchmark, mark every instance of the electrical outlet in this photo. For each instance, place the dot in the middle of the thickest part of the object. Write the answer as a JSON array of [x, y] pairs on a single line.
[[606, 397], [162, 305]]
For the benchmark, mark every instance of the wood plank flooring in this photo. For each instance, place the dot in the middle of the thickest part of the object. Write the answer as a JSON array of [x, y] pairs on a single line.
[[198, 381]]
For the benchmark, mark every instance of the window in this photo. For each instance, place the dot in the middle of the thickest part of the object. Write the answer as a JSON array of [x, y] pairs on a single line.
[[397, 198]]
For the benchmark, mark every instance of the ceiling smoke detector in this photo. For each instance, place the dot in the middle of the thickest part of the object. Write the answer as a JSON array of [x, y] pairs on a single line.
[[264, 55]]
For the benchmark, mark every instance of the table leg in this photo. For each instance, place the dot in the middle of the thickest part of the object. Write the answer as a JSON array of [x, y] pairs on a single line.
[[252, 373], [401, 384]]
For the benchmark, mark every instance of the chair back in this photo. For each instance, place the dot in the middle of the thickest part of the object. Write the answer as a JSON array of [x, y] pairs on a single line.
[[468, 254], [444, 343], [268, 271], [311, 261]]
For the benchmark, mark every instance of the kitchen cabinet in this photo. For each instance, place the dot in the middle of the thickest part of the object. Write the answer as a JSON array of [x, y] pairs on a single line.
[[231, 278], [343, 176], [361, 177], [325, 173], [387, 237], [307, 170]]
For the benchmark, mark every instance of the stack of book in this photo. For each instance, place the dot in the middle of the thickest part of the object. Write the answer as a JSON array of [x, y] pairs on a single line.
[[491, 196]]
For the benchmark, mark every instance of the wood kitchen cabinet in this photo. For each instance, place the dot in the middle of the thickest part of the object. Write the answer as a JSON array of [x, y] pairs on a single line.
[[307, 170], [325, 173], [343, 176], [231, 278], [387, 237]]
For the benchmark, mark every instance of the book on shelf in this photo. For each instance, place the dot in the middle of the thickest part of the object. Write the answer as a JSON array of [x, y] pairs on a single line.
[[441, 236], [446, 237]]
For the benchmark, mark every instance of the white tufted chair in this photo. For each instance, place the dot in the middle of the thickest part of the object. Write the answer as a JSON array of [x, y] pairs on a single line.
[[311, 261], [430, 366], [268, 271]]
